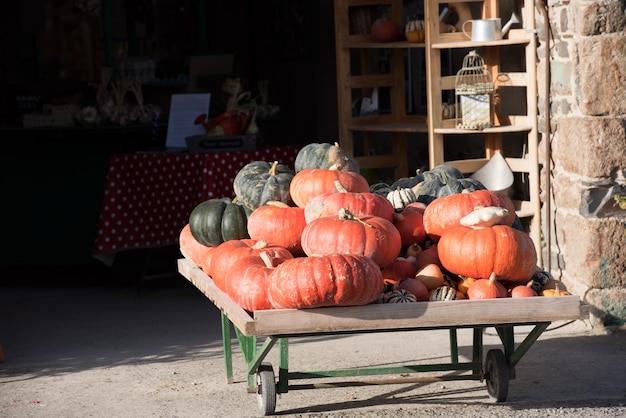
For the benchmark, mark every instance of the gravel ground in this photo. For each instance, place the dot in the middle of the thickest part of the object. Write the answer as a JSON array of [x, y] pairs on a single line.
[[94, 348]]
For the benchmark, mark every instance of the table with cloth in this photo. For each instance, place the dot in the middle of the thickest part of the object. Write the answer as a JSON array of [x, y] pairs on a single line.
[[148, 196]]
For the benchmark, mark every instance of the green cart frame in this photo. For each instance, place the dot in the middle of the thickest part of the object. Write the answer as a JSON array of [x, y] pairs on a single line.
[[281, 324]]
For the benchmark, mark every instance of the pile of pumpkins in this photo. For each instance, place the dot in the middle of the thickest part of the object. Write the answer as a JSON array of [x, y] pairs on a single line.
[[320, 235]]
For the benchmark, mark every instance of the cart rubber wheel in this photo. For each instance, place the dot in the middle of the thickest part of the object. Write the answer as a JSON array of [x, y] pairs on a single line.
[[266, 389], [497, 375]]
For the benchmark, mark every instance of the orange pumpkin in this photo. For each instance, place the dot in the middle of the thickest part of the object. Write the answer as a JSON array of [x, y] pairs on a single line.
[[312, 182], [410, 224], [190, 248], [279, 224], [523, 291], [247, 281], [431, 275], [371, 236], [228, 252], [556, 291], [325, 280], [446, 212], [399, 269], [489, 288], [360, 204], [499, 249]]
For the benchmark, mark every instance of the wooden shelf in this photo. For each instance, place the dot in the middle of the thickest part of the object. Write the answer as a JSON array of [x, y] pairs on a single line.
[[508, 126], [355, 71]]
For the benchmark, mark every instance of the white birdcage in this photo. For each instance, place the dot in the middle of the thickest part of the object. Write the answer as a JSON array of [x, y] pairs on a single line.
[[474, 91]]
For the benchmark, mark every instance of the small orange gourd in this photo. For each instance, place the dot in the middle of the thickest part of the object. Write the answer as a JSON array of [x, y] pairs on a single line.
[[431, 275], [524, 291], [555, 292], [487, 289]]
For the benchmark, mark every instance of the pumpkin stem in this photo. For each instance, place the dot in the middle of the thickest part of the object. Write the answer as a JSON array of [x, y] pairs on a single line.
[[530, 283], [264, 255], [273, 168], [493, 277], [346, 215], [413, 250], [259, 245], [277, 204], [340, 187]]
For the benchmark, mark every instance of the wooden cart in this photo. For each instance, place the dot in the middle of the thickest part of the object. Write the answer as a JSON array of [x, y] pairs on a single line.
[[280, 324]]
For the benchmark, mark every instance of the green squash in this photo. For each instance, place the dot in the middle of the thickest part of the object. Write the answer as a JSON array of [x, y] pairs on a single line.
[[408, 182], [443, 172], [215, 221], [381, 189], [324, 155], [429, 190], [260, 182]]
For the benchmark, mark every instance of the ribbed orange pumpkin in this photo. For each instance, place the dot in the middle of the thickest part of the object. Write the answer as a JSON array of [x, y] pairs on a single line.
[[478, 253], [318, 181], [325, 280], [279, 224], [247, 281], [399, 269], [370, 236], [410, 224], [190, 248], [360, 204], [447, 211], [228, 252]]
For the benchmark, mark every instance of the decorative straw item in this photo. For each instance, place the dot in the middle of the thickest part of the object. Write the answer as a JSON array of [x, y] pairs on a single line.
[[474, 90]]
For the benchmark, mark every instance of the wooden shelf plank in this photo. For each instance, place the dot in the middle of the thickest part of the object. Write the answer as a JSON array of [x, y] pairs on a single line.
[[360, 43], [494, 130], [390, 127]]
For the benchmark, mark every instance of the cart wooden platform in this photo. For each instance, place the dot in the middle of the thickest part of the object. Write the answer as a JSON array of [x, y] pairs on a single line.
[[281, 324]]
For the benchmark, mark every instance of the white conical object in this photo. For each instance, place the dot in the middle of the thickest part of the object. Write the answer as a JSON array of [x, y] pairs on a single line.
[[496, 175]]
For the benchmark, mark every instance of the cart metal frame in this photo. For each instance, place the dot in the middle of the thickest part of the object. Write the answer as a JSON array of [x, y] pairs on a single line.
[[278, 326]]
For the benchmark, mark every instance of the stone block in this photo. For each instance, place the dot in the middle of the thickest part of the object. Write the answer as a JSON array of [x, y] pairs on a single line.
[[561, 77], [609, 305], [567, 191], [592, 249], [599, 75], [590, 146], [598, 17]]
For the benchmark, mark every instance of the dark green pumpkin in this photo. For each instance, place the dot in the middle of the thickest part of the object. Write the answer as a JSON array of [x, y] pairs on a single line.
[[260, 182], [218, 220], [324, 155], [381, 189], [430, 190], [408, 182], [443, 172]]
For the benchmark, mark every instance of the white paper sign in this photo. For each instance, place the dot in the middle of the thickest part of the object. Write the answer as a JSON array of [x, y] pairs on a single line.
[[184, 109]]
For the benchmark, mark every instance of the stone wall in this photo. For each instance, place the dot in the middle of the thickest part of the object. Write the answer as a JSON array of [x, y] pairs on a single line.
[[587, 134]]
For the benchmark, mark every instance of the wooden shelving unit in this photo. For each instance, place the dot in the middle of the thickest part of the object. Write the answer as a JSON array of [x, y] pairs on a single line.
[[518, 84], [356, 78]]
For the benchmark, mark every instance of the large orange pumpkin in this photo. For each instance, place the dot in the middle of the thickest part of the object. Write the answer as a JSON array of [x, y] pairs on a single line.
[[477, 253], [360, 204], [190, 248], [228, 252], [371, 236], [278, 224], [325, 280], [410, 224], [312, 182], [447, 211], [247, 281]]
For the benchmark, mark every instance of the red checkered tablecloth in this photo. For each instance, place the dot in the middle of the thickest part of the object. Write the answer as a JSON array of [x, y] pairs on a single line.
[[148, 197]]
